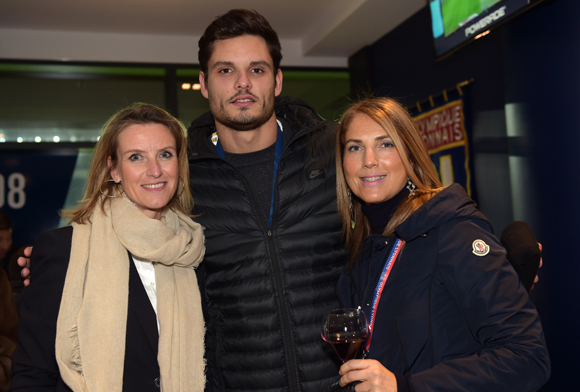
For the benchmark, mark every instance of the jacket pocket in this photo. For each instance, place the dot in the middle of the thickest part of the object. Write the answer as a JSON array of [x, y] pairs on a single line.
[[413, 336]]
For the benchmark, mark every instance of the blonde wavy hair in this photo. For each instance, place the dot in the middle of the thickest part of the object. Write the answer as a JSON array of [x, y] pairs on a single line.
[[99, 173], [397, 123]]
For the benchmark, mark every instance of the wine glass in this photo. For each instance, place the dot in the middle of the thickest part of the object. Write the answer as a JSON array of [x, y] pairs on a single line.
[[346, 330]]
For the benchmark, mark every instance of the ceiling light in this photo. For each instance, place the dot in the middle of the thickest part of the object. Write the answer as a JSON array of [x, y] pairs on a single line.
[[196, 86], [186, 86]]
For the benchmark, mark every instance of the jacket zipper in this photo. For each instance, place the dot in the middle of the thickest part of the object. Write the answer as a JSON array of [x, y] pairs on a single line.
[[287, 331]]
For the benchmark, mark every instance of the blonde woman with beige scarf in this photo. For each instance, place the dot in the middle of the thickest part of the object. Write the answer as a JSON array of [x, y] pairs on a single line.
[[114, 303]]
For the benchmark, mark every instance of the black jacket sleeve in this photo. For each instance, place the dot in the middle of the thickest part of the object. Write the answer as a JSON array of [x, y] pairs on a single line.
[[34, 366]]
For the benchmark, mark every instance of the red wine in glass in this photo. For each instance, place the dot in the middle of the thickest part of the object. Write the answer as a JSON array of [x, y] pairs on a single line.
[[346, 350], [346, 329]]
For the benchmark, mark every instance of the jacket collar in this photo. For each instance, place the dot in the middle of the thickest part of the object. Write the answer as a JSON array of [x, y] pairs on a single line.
[[451, 203], [301, 117]]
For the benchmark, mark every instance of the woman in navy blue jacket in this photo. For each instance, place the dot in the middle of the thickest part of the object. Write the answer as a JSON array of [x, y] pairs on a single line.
[[446, 309]]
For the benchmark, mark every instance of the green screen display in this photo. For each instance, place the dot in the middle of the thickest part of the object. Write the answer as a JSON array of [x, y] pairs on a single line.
[[456, 13]]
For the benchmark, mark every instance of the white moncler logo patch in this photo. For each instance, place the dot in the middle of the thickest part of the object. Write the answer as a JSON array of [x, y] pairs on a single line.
[[480, 248]]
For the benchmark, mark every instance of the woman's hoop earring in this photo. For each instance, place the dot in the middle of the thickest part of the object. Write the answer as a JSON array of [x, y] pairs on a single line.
[[103, 193]]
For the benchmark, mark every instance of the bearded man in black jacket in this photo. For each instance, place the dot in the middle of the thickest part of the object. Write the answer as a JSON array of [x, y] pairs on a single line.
[[263, 180]]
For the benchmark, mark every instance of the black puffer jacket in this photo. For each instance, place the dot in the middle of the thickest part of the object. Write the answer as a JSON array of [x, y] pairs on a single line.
[[266, 289]]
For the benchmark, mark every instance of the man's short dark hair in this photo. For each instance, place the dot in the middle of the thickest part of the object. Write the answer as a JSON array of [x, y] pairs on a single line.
[[235, 23], [5, 222]]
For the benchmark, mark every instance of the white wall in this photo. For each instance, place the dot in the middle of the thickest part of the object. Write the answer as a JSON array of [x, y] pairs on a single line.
[[18, 44]]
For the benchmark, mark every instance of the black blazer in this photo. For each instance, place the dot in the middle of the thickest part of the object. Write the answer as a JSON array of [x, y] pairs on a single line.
[[34, 366]]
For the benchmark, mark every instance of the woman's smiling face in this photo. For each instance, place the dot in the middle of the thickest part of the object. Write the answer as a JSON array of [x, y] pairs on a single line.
[[147, 166], [372, 166]]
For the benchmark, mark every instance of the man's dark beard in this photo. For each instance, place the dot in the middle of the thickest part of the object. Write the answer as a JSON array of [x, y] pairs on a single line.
[[245, 123]]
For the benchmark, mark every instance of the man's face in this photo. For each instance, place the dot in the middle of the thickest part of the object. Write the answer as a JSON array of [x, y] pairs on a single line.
[[241, 82], [5, 242]]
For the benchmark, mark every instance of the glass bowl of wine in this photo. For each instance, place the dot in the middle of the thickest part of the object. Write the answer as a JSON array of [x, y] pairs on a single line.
[[346, 330]]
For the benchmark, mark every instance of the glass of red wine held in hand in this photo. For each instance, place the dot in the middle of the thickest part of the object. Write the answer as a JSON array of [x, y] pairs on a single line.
[[346, 329]]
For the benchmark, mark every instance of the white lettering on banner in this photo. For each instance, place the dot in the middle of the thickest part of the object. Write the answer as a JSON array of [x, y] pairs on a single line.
[[483, 23], [13, 193], [441, 128]]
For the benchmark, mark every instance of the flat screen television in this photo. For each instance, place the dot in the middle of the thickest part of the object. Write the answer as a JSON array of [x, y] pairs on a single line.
[[456, 22]]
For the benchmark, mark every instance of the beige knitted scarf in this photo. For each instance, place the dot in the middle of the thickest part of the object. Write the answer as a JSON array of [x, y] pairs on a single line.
[[92, 320]]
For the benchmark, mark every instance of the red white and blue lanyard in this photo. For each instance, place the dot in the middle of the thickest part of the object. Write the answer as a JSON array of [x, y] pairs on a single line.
[[379, 289]]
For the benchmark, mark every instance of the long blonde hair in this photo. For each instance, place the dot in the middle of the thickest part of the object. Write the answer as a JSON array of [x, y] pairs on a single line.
[[100, 173], [397, 123]]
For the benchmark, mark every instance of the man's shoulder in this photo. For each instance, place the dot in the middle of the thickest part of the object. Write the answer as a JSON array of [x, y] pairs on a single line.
[[302, 117], [202, 123], [295, 107], [199, 132]]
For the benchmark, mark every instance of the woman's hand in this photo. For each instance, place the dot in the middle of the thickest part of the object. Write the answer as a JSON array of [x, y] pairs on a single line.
[[372, 375]]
